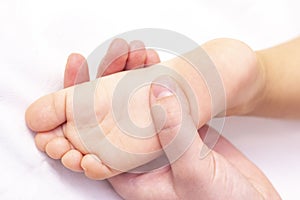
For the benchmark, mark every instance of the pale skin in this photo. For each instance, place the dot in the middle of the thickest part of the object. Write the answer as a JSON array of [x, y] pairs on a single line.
[[242, 98]]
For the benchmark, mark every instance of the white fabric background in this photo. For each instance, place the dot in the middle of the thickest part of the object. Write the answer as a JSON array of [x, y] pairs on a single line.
[[37, 36]]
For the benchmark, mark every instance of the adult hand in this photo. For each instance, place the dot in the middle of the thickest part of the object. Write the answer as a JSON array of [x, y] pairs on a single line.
[[224, 173]]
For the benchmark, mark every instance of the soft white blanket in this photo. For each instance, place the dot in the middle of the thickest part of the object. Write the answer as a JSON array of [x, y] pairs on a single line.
[[37, 36]]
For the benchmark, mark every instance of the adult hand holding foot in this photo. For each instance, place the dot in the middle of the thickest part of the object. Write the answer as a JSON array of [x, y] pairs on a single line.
[[249, 88], [224, 169], [52, 116], [189, 177]]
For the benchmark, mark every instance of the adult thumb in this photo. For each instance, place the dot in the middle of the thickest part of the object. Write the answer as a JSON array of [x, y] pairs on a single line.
[[170, 112]]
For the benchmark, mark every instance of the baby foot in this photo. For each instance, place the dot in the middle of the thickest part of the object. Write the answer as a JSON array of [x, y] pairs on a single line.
[[54, 142]]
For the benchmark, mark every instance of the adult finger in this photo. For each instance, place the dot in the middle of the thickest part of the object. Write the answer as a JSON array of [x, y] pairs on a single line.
[[115, 58], [152, 57], [137, 55], [76, 70]]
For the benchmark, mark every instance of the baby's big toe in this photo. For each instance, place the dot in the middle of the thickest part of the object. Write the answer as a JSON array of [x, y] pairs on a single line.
[[48, 112]]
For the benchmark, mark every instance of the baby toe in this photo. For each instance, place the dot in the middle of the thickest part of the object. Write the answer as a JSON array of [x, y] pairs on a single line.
[[95, 169], [72, 160], [57, 147], [42, 139]]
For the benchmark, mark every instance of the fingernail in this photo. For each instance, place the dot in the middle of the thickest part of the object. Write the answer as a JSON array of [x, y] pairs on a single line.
[[163, 87]]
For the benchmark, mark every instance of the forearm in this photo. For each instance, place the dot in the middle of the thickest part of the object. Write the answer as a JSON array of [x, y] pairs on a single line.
[[281, 95]]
